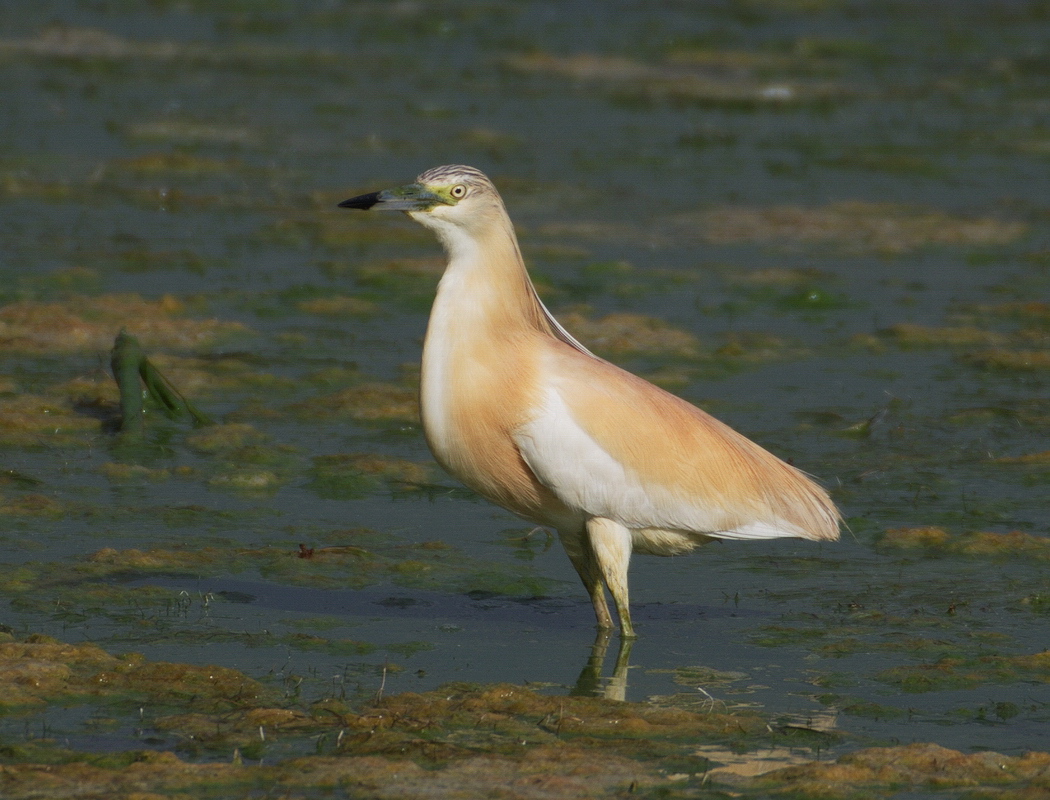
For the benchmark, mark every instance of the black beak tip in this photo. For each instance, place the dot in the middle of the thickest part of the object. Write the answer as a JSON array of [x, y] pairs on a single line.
[[363, 202]]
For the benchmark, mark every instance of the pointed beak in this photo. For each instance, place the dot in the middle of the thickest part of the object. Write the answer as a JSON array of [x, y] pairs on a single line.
[[412, 197]]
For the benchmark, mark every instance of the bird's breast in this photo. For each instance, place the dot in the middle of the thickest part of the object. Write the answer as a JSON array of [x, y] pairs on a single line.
[[477, 387]]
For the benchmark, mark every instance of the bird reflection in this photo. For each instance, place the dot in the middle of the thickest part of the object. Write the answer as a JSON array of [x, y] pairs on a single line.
[[591, 684]]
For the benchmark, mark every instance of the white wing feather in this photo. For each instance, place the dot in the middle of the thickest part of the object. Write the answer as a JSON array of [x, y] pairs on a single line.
[[584, 476]]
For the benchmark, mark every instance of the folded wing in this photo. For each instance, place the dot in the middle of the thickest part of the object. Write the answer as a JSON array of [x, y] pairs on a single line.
[[615, 446]]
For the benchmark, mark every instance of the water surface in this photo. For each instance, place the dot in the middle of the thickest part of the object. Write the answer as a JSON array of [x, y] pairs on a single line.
[[826, 223]]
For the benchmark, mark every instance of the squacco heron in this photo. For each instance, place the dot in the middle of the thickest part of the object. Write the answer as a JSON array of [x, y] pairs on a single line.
[[523, 414]]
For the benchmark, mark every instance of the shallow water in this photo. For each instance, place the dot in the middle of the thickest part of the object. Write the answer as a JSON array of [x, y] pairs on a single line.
[[839, 208]]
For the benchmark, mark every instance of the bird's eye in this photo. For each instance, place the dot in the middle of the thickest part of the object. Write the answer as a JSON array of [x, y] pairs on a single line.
[[458, 191]]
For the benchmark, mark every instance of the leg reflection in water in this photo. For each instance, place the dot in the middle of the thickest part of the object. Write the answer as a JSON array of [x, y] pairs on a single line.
[[591, 684]]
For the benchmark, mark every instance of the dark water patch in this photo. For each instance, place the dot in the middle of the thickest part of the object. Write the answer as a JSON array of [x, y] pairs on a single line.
[[476, 605]]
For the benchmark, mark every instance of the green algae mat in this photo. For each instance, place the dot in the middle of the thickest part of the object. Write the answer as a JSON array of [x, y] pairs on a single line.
[[825, 222]]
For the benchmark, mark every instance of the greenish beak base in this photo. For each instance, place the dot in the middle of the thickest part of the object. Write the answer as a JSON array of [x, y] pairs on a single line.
[[412, 197]]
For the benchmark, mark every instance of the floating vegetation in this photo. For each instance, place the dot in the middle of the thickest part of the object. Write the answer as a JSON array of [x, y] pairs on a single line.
[[755, 347], [497, 144], [576, 775], [807, 56], [349, 475], [338, 306], [247, 479], [713, 79], [1037, 311], [243, 459], [1033, 412], [706, 677], [851, 225], [926, 768], [789, 290], [221, 374], [1041, 457], [876, 711], [965, 673], [410, 282], [185, 163], [251, 467], [1004, 360], [140, 259], [191, 131], [459, 738], [73, 45], [915, 538], [107, 560], [338, 232], [41, 669], [780, 277], [225, 438], [33, 420], [984, 544], [368, 402], [31, 505], [90, 323], [353, 558], [112, 186], [136, 473], [596, 279], [577, 231], [903, 160], [343, 647], [631, 334], [909, 335]]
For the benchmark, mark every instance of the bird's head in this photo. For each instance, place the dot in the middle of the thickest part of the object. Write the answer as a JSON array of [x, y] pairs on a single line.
[[443, 197]]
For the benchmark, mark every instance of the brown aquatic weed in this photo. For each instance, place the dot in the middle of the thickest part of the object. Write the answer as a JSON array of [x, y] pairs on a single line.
[[919, 767], [90, 323], [367, 402], [853, 225], [625, 333], [985, 544]]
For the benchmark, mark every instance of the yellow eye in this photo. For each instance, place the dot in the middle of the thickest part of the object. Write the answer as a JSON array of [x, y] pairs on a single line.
[[458, 191]]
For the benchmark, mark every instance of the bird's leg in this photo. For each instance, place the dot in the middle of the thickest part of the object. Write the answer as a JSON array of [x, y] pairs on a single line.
[[611, 544], [582, 557]]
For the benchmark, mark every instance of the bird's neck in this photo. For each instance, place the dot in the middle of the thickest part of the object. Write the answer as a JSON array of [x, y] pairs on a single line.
[[479, 356], [486, 289]]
